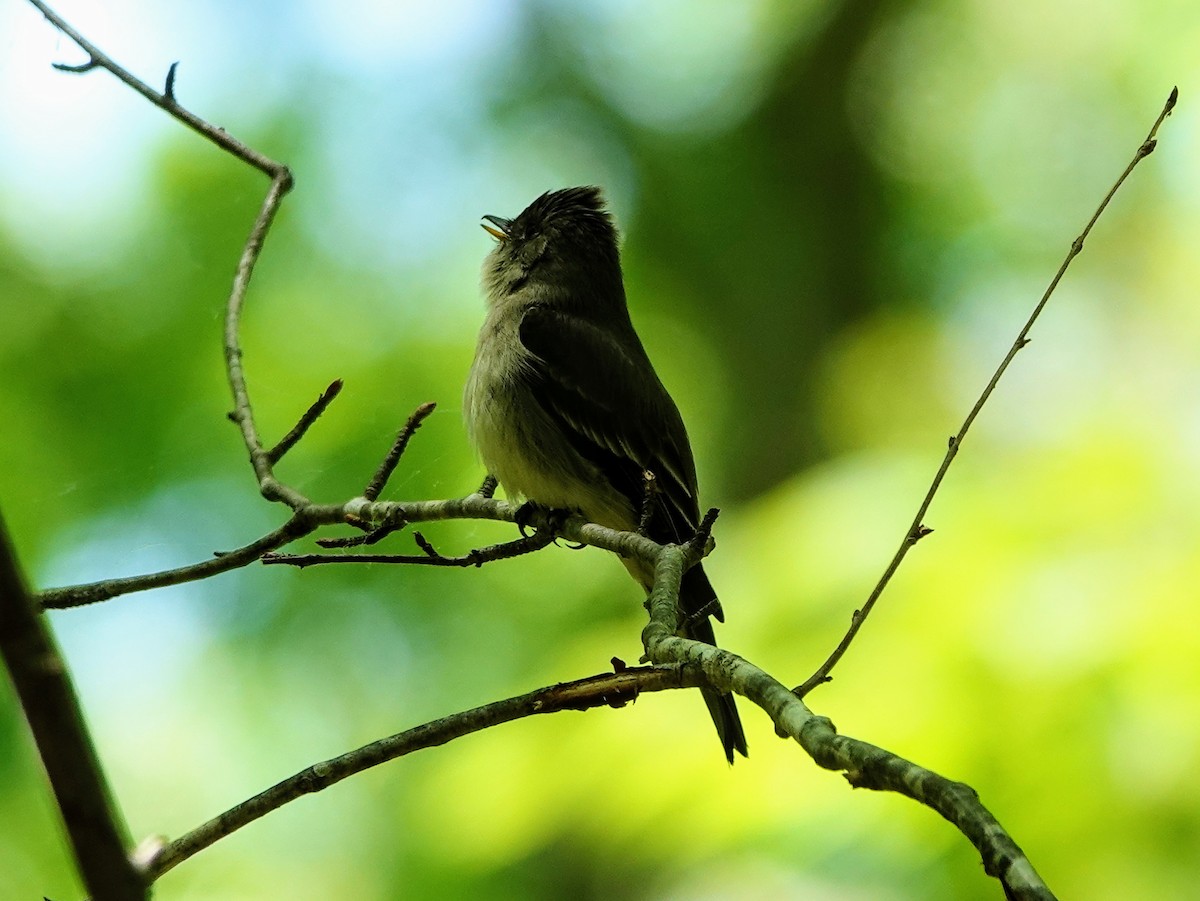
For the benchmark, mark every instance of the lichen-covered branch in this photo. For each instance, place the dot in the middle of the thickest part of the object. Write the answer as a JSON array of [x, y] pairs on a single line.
[[864, 765]]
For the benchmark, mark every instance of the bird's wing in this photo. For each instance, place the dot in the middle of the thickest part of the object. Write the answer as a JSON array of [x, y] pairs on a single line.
[[615, 412]]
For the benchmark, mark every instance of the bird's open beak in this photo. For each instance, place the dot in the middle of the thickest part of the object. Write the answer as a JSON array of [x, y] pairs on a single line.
[[500, 232]]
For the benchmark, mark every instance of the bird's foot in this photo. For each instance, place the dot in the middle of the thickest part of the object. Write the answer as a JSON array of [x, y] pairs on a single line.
[[688, 620], [532, 515]]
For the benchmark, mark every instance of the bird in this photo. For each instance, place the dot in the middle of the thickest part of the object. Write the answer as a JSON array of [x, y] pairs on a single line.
[[565, 408]]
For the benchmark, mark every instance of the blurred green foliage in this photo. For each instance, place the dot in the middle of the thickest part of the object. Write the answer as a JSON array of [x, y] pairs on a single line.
[[836, 218]]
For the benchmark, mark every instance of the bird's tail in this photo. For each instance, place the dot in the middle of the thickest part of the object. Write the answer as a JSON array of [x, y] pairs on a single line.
[[695, 595]]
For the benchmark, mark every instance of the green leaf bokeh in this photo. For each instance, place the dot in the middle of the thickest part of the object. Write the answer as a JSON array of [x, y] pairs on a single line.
[[836, 219]]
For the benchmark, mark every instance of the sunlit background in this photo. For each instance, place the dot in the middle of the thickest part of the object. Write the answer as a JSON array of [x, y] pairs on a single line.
[[836, 218]]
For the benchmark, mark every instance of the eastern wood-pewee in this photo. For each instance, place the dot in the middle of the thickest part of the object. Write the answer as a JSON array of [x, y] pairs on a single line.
[[565, 407]]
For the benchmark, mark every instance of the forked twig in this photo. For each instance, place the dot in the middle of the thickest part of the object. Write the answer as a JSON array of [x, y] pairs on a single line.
[[918, 530], [97, 59]]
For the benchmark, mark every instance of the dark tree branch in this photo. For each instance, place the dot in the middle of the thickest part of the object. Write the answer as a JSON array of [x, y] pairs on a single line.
[[43, 686], [918, 530], [381, 516]]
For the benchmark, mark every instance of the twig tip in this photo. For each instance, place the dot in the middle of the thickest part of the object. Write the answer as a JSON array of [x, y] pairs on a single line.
[[79, 69], [379, 480], [425, 545], [169, 89]]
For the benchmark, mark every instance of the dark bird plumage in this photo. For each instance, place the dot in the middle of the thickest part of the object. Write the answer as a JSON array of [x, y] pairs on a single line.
[[563, 402]]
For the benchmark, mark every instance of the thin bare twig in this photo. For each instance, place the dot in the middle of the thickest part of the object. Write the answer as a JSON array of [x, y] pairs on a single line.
[[388, 466], [94, 592], [374, 536], [388, 515], [475, 557], [311, 415], [243, 414], [76, 69], [604, 690], [918, 530], [42, 684], [699, 543]]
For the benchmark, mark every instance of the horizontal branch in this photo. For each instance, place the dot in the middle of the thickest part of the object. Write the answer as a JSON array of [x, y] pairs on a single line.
[[106, 589], [357, 510], [679, 663]]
